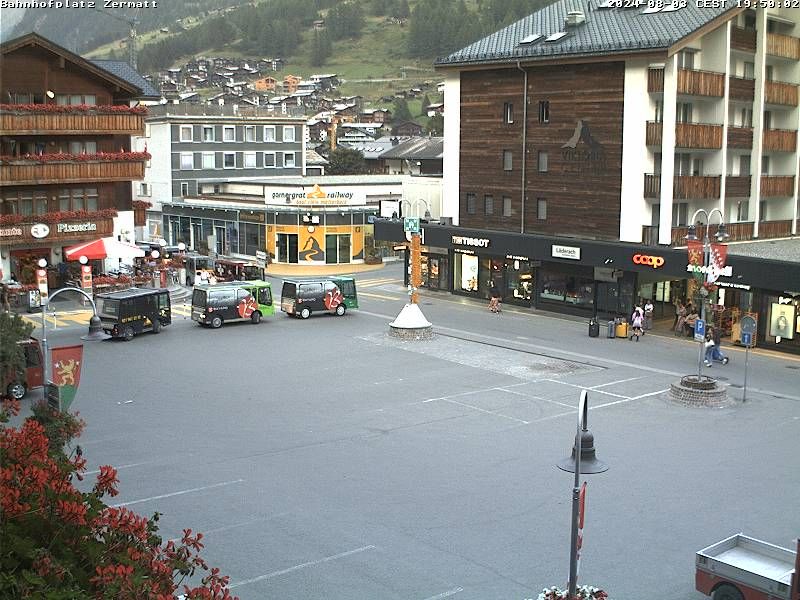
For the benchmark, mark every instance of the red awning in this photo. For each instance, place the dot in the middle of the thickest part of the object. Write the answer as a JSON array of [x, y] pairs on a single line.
[[107, 247]]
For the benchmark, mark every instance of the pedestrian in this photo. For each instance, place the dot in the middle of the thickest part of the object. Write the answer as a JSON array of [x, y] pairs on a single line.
[[648, 315], [680, 317], [4, 298], [709, 345], [716, 354], [637, 320], [494, 298]]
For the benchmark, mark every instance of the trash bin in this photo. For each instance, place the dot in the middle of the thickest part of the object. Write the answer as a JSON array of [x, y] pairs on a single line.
[[594, 328], [612, 328], [622, 329]]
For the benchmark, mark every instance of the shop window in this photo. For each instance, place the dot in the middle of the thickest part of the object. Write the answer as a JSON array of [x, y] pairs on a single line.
[[508, 160], [488, 205], [472, 203], [543, 161], [541, 209], [228, 133], [508, 112], [465, 273], [544, 111], [567, 289], [507, 206], [186, 133]]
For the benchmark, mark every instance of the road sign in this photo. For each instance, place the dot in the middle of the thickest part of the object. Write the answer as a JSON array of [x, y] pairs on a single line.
[[747, 339], [411, 224], [699, 330], [748, 325]]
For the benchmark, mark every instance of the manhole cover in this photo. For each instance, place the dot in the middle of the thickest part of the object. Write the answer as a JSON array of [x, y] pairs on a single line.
[[793, 367], [736, 385], [428, 303]]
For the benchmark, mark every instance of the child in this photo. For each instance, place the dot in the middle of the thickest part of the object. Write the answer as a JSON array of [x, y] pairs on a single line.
[[637, 319]]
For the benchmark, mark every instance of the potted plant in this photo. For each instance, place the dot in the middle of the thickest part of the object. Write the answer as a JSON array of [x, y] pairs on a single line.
[[583, 592]]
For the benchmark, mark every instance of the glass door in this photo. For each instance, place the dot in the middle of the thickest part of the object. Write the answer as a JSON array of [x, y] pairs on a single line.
[[219, 235], [286, 250], [344, 248], [331, 249]]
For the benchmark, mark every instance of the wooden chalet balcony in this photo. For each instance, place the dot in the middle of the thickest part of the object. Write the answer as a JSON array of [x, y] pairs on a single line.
[[737, 186], [780, 140], [777, 92], [743, 39], [684, 187], [785, 46], [777, 186], [698, 135], [741, 88], [740, 137], [24, 172], [655, 81], [33, 123], [737, 232], [653, 133], [701, 83]]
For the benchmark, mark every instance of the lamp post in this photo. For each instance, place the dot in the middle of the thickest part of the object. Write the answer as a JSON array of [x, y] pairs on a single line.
[[691, 235], [583, 460], [416, 253]]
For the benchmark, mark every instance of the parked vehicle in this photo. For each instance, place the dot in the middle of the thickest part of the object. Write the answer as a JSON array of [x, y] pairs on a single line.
[[237, 270], [302, 297], [744, 568], [216, 304], [20, 383], [127, 313], [199, 268]]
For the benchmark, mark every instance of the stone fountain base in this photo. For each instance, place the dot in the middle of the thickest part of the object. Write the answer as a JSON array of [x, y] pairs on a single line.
[[699, 390]]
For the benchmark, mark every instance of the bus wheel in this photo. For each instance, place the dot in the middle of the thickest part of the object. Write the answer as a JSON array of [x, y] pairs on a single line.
[[727, 592], [305, 313], [340, 310], [255, 318], [17, 390], [216, 322], [128, 333]]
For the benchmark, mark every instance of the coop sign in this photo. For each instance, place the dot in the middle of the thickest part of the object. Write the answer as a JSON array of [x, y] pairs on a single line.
[[461, 240], [76, 227]]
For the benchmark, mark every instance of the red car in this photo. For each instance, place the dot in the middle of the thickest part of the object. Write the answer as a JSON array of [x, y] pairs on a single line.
[[17, 385]]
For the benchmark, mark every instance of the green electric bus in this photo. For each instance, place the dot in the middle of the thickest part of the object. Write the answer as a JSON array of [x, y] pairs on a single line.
[[220, 303]]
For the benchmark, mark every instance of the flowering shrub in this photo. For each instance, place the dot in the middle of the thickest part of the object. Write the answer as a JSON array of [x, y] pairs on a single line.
[[59, 542], [59, 216], [584, 592], [140, 204], [103, 280], [75, 108], [69, 157]]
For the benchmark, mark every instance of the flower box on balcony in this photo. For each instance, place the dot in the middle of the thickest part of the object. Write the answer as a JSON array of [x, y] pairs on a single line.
[[74, 108], [59, 217]]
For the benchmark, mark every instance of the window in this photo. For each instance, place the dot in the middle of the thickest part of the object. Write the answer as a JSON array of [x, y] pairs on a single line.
[[249, 133], [743, 210], [82, 147], [269, 133], [506, 206], [250, 160], [769, 73], [229, 160], [507, 160], [686, 59], [541, 209], [269, 159], [544, 111], [697, 167], [765, 165], [659, 111], [657, 163], [680, 214], [208, 133], [66, 99], [762, 210], [747, 117], [288, 160], [488, 205], [683, 112], [186, 133], [472, 202], [508, 112], [144, 189], [683, 164], [288, 133], [749, 70], [750, 21], [208, 160], [184, 188], [27, 203], [744, 165], [228, 133], [187, 160], [543, 159], [767, 119]]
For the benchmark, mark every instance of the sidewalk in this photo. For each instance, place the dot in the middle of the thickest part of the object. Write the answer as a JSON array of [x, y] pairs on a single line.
[[301, 270]]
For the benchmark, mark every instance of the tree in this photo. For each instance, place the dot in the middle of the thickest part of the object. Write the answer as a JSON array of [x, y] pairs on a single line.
[[423, 109], [320, 48], [435, 125], [13, 329], [346, 161], [401, 112]]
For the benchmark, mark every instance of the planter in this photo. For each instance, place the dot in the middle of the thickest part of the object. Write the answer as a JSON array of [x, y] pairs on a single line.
[[584, 592]]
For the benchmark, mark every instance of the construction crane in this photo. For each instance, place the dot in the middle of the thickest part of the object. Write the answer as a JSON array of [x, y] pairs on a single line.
[[132, 23]]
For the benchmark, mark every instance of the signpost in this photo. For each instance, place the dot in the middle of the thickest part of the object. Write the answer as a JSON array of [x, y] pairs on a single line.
[[748, 327], [261, 259], [699, 330], [411, 224]]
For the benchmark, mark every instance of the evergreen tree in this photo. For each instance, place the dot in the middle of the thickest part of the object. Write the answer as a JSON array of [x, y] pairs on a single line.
[[346, 161], [426, 102], [320, 48], [435, 125], [401, 112]]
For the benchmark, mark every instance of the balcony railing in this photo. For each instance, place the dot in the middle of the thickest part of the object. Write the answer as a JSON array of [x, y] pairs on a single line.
[[742, 89], [33, 123], [743, 39], [737, 186], [701, 83], [684, 187], [655, 81], [737, 232], [785, 46], [653, 133], [776, 92], [698, 135], [33, 173], [773, 186], [780, 140], [740, 137]]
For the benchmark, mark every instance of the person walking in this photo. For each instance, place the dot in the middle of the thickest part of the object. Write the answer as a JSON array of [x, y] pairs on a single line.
[[709, 344], [637, 320], [716, 350], [4, 297], [494, 298], [648, 315]]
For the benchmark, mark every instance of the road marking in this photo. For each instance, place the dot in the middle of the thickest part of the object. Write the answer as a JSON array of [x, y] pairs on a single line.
[[377, 282], [537, 398], [301, 566], [594, 387], [180, 493], [119, 467], [648, 395], [446, 594], [483, 410], [583, 387], [380, 296], [235, 525]]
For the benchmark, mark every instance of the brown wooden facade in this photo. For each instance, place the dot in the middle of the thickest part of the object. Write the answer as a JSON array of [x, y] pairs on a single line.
[[91, 123], [582, 140], [737, 232]]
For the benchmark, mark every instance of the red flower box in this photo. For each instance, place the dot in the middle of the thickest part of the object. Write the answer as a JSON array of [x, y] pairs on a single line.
[[67, 157], [75, 108]]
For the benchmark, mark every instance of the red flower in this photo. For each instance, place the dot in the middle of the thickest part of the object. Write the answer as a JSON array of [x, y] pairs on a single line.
[[107, 481]]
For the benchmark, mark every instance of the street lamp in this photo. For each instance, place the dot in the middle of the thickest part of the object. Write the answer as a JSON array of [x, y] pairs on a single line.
[[583, 460], [691, 235]]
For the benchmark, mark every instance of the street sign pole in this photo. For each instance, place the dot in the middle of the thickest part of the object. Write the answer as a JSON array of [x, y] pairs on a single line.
[[748, 326]]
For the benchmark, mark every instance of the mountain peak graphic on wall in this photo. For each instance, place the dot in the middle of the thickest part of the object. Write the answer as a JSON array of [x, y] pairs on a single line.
[[316, 192], [583, 134]]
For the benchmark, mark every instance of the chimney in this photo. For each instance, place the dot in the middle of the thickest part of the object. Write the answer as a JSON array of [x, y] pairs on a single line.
[[574, 18]]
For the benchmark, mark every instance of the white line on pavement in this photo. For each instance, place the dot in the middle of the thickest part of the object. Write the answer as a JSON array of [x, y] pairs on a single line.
[[446, 594], [119, 467], [235, 525], [537, 398], [583, 387], [594, 387], [301, 566], [189, 491], [483, 410]]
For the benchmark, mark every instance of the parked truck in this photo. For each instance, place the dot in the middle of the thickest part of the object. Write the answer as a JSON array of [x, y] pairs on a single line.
[[744, 568]]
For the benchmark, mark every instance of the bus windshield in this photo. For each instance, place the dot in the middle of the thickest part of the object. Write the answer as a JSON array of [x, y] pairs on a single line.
[[108, 307]]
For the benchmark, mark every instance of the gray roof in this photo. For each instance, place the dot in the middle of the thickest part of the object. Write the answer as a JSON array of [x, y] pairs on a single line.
[[417, 148], [787, 249], [371, 149], [605, 31], [124, 71]]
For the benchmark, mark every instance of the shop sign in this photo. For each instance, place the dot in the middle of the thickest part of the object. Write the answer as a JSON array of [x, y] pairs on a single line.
[[726, 271], [569, 252], [738, 286], [40, 230], [470, 241], [648, 261], [252, 218], [316, 196], [10, 231], [76, 227], [515, 257]]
